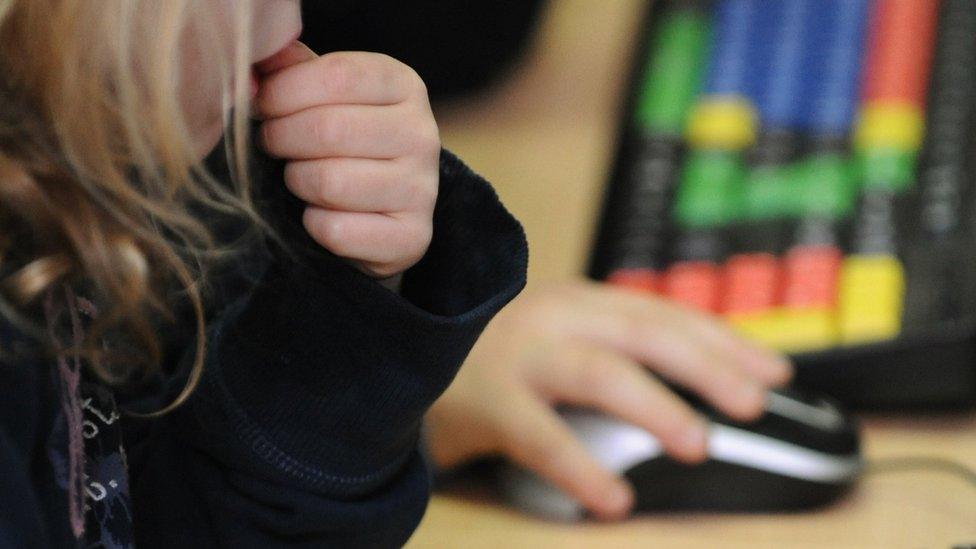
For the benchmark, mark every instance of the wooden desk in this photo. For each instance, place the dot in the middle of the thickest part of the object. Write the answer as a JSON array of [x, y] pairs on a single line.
[[544, 138]]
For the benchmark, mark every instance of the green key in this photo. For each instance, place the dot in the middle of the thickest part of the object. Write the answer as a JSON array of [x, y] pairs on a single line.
[[768, 193], [886, 169], [710, 194], [824, 186], [673, 72]]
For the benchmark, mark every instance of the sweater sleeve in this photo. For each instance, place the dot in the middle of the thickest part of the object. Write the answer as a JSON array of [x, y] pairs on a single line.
[[303, 431]]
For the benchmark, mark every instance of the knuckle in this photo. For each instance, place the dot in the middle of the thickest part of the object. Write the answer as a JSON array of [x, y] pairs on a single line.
[[428, 194], [335, 231], [417, 238], [269, 135], [268, 97], [325, 229], [319, 129], [593, 377], [631, 327], [423, 236], [423, 189], [339, 72], [427, 135], [330, 186], [430, 139], [294, 173], [329, 128], [413, 80], [424, 136], [295, 177]]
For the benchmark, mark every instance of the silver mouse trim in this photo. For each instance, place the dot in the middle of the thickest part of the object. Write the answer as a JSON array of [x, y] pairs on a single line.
[[768, 454], [618, 446], [822, 416]]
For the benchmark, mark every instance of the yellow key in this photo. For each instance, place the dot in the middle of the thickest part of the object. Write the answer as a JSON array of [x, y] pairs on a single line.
[[790, 330], [722, 122], [898, 126], [872, 290]]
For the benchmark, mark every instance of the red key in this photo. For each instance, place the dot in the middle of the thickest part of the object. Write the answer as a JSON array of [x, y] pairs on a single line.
[[639, 280], [751, 283], [901, 38], [811, 277], [694, 283]]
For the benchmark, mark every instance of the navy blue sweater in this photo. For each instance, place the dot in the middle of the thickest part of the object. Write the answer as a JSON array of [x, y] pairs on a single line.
[[303, 431]]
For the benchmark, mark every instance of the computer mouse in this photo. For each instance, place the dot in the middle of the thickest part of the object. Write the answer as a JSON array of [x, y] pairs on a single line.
[[803, 452]]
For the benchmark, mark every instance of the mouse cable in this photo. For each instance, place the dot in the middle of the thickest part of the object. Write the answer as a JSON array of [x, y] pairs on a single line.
[[925, 463], [922, 463]]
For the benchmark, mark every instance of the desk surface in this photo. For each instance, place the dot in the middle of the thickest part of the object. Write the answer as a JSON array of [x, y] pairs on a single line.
[[545, 138]]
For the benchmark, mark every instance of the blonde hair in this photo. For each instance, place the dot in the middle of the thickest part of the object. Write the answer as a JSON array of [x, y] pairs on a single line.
[[98, 172]]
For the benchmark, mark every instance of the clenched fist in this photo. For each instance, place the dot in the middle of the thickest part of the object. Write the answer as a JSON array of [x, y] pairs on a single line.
[[362, 151]]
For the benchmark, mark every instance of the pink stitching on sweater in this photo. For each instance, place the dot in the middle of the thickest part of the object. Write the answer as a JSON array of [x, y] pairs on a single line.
[[70, 374]]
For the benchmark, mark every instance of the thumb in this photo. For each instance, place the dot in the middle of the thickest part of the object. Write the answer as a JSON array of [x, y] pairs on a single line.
[[293, 54]]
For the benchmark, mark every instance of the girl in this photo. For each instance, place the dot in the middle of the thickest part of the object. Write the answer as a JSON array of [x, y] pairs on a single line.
[[199, 357]]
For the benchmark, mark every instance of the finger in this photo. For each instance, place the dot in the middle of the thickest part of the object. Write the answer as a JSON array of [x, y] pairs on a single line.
[[760, 363], [663, 345], [343, 78], [603, 379], [361, 185], [346, 130], [680, 358], [765, 366], [293, 54], [381, 242], [536, 438]]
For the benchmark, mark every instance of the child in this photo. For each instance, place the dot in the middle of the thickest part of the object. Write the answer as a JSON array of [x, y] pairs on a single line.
[[287, 415]]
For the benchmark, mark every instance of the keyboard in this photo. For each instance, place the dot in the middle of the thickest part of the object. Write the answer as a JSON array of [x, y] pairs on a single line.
[[801, 169]]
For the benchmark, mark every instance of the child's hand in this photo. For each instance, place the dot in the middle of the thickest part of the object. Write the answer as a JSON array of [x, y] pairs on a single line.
[[590, 345], [362, 149]]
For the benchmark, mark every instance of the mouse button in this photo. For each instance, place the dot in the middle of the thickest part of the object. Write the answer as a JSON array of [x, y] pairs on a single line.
[[615, 444], [662, 484]]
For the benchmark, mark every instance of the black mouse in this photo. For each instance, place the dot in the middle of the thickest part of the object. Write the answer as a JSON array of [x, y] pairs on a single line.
[[802, 453]]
